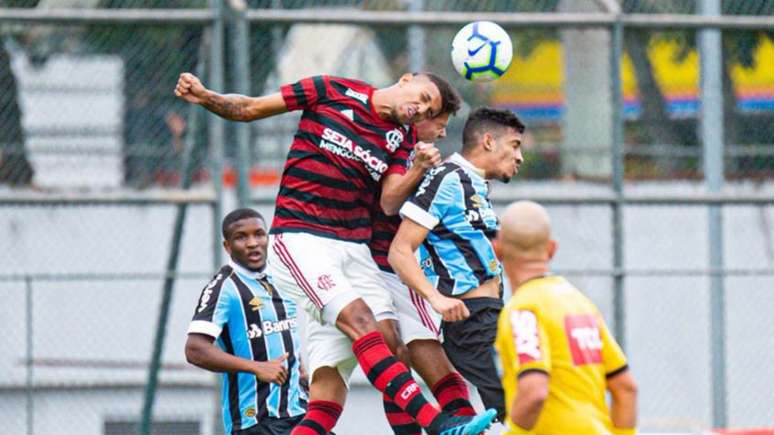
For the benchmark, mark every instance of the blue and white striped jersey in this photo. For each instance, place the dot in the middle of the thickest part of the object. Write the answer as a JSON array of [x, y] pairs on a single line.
[[251, 320], [452, 202]]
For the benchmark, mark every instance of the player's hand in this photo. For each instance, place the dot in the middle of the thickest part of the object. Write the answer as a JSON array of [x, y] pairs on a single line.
[[452, 309], [426, 155], [190, 88], [303, 377], [272, 371]]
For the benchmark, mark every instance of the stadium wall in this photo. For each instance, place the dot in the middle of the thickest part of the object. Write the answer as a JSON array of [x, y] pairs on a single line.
[[92, 336]]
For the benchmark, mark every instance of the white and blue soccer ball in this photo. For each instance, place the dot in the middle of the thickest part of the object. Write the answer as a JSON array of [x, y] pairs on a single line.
[[482, 51]]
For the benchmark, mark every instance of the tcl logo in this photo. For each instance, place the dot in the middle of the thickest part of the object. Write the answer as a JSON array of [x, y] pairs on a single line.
[[583, 337], [526, 336], [207, 293]]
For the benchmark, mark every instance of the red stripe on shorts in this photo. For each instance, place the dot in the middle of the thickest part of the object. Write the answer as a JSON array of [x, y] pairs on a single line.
[[298, 276], [421, 308]]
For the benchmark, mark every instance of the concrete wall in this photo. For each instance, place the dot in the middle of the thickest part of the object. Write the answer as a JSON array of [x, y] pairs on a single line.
[[95, 333]]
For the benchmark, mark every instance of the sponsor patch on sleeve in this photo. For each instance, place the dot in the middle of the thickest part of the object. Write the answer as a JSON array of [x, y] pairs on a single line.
[[526, 336]]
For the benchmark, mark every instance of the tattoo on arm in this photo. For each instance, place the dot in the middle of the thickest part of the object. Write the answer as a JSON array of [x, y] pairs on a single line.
[[230, 106]]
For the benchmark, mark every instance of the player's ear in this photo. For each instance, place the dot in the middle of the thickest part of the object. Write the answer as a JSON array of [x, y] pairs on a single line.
[[489, 143], [405, 78], [552, 247], [498, 250], [227, 246]]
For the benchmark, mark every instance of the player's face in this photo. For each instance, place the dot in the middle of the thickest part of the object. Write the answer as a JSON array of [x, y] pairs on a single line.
[[418, 99], [430, 130], [247, 243], [507, 155]]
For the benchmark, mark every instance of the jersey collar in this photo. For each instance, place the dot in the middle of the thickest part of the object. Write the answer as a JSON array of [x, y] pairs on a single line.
[[258, 275], [465, 163]]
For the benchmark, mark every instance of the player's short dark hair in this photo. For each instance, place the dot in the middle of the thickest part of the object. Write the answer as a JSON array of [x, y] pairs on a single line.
[[238, 215], [488, 119], [450, 98]]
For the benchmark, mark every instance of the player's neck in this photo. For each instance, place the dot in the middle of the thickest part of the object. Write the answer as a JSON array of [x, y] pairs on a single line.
[[478, 160], [474, 161], [257, 274], [527, 272]]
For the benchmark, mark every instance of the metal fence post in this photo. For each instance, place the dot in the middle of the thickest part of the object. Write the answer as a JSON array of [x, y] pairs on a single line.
[[240, 63], [711, 134], [189, 165], [216, 129], [617, 156], [416, 40], [29, 389]]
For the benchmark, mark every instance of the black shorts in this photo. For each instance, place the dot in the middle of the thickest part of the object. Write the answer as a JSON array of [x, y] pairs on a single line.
[[469, 344], [272, 426]]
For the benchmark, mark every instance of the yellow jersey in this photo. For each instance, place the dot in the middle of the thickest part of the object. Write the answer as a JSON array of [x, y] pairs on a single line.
[[550, 326]]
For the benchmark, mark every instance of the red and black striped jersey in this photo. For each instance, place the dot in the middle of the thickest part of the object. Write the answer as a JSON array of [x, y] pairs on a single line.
[[385, 227], [341, 151]]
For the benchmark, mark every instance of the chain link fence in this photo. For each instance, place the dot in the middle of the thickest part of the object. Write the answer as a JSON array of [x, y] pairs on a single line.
[[105, 176]]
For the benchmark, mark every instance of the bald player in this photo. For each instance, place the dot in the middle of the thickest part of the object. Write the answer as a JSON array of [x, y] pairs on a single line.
[[556, 354]]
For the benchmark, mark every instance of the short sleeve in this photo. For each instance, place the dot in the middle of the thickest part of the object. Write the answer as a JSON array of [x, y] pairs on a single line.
[[612, 354], [530, 341], [438, 192], [212, 311], [305, 93]]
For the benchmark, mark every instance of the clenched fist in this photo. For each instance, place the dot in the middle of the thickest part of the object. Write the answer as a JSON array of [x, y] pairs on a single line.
[[190, 88], [452, 309], [426, 155]]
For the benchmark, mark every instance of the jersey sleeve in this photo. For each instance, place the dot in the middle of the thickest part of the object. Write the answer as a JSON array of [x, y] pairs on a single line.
[[305, 93], [531, 347], [437, 193], [212, 311], [612, 354]]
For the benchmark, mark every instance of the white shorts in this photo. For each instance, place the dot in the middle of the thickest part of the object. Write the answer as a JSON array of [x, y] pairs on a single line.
[[325, 275], [326, 346], [416, 318]]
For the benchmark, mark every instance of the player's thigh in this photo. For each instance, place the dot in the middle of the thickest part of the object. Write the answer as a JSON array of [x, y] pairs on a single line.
[[308, 269], [469, 346], [416, 318], [363, 275], [331, 362]]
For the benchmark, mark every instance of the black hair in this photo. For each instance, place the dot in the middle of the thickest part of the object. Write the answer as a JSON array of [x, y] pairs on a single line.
[[450, 98], [238, 215], [486, 119]]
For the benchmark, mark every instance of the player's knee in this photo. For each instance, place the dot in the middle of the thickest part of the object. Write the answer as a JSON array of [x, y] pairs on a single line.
[[401, 352], [356, 320], [328, 385], [389, 329]]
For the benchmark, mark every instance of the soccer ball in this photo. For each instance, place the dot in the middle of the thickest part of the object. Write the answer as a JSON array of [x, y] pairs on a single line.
[[482, 51]]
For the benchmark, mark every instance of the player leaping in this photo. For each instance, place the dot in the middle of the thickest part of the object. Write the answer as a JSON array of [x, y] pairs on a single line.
[[349, 137], [453, 221]]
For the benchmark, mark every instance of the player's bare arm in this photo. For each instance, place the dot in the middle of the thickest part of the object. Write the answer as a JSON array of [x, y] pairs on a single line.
[[201, 352], [233, 107], [402, 259], [532, 393], [623, 404], [397, 188]]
